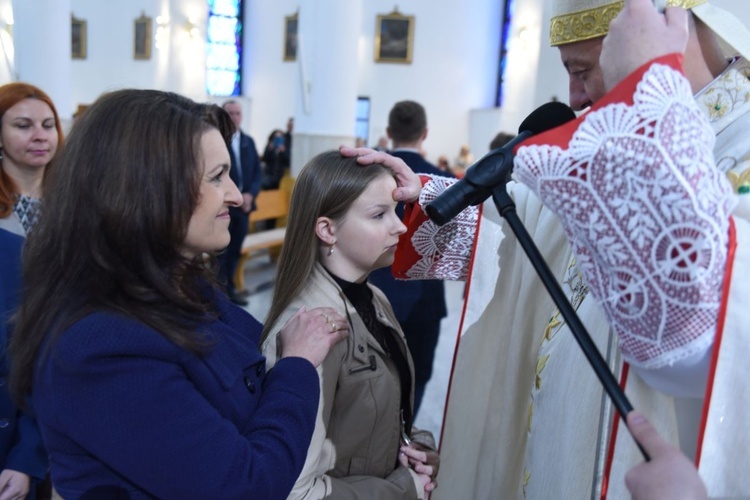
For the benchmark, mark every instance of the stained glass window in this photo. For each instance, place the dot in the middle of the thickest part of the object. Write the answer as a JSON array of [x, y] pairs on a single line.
[[362, 125], [504, 45], [224, 48]]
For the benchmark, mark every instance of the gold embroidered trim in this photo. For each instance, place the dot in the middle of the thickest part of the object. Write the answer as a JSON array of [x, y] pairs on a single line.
[[725, 99], [554, 322], [540, 364], [530, 418], [593, 23], [583, 25], [685, 4], [740, 182], [526, 477]]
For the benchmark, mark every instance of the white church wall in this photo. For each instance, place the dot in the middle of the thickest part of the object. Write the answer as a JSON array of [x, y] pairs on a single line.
[[453, 73], [454, 66], [7, 62], [453, 69]]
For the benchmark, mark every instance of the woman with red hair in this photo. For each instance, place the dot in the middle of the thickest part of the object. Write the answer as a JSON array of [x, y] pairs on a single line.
[[30, 134]]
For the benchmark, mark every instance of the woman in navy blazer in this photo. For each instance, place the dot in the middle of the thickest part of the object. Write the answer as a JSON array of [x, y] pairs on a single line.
[[145, 379]]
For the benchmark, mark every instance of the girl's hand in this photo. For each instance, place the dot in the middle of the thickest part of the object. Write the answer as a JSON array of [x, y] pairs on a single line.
[[423, 461]]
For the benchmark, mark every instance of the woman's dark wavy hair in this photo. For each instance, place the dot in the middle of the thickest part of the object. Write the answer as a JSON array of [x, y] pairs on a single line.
[[116, 212]]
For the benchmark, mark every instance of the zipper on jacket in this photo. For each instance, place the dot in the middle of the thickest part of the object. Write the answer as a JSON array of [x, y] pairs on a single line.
[[404, 436], [372, 366]]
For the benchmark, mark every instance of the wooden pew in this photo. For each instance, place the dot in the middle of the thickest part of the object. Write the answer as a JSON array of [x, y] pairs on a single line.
[[271, 205]]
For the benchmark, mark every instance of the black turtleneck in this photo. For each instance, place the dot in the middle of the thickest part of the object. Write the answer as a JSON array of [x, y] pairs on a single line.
[[360, 295]]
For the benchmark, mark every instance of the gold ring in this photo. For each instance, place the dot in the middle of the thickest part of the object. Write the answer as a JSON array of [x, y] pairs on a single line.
[[333, 327], [326, 317]]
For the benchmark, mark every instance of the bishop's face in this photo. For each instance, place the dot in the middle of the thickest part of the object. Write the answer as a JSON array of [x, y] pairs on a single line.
[[581, 60]]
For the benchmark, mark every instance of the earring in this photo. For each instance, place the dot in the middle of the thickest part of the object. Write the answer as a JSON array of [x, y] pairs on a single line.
[[330, 248]]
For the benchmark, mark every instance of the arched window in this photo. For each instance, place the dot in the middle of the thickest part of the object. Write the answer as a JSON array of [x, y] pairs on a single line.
[[362, 125], [504, 45], [224, 48]]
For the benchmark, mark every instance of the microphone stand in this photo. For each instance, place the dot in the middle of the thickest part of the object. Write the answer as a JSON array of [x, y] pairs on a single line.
[[507, 209]]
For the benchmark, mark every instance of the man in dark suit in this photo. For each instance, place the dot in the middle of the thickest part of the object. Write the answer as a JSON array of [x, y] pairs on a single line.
[[247, 174], [419, 305]]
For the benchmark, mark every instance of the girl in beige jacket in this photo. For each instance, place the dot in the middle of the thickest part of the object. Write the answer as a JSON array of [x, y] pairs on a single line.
[[342, 226]]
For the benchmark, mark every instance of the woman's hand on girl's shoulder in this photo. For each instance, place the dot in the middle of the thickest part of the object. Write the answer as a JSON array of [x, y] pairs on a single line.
[[312, 334]]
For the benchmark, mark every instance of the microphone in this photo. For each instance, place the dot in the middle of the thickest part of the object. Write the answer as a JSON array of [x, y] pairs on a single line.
[[495, 167]]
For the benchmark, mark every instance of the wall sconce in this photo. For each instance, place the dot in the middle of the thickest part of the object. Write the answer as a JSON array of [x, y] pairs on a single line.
[[7, 47], [191, 28], [523, 36], [161, 38], [7, 27]]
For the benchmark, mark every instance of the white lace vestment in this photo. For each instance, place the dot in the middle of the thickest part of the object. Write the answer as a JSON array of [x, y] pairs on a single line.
[[525, 414]]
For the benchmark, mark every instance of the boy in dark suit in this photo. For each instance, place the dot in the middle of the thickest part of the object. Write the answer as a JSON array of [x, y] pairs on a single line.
[[419, 305]]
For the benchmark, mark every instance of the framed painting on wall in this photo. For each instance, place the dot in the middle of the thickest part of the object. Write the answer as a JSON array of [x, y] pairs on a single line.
[[290, 37], [77, 38], [142, 38], [394, 38]]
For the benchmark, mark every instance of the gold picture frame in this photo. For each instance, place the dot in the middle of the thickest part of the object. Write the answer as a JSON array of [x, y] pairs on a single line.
[[394, 38], [142, 38], [291, 23], [77, 38]]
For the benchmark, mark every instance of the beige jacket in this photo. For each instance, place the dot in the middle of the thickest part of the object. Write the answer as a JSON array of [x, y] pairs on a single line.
[[354, 449]]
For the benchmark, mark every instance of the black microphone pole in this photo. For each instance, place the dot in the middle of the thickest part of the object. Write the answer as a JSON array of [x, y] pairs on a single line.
[[507, 209]]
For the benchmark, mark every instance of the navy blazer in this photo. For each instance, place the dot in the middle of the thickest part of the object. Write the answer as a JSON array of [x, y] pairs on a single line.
[[120, 406], [21, 446], [425, 297], [252, 173]]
